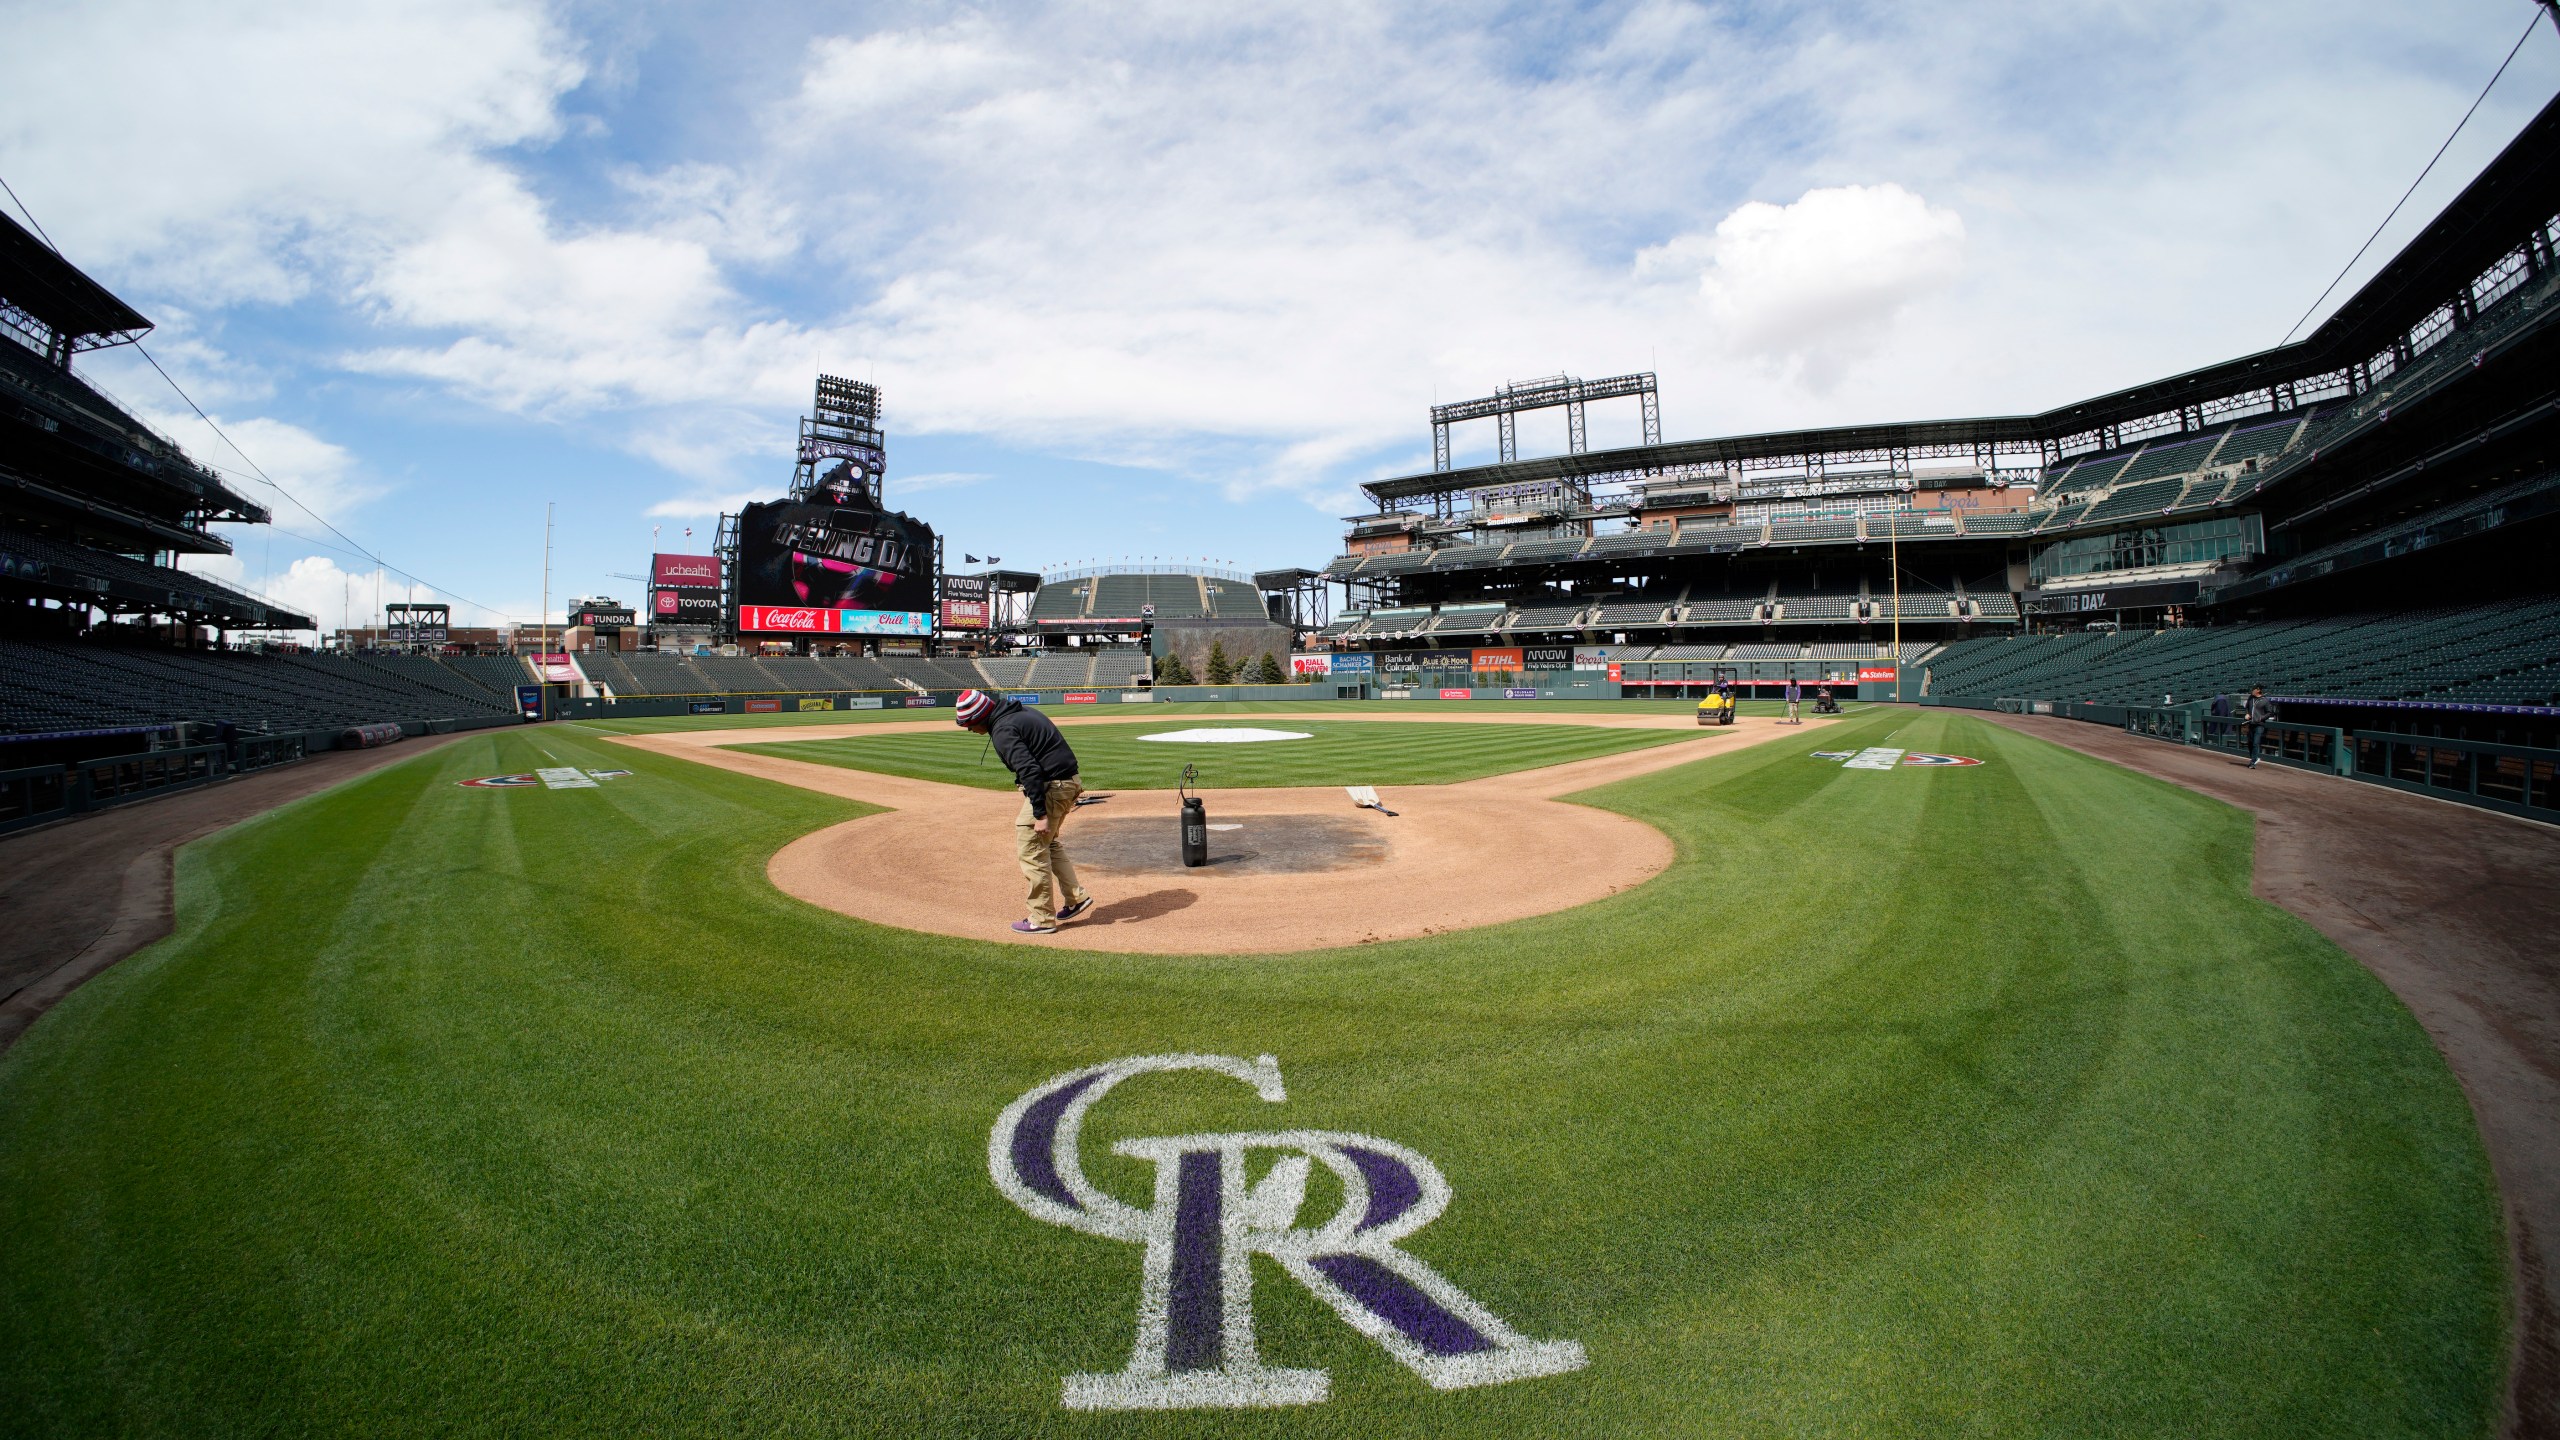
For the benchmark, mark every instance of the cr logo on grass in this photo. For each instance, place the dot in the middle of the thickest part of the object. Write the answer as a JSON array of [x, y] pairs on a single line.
[[1195, 1292]]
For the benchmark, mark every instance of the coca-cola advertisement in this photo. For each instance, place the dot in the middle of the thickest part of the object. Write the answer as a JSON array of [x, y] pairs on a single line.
[[787, 619], [794, 553]]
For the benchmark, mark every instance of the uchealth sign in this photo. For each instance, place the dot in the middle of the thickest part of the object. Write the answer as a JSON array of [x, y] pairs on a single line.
[[685, 572], [1457, 694]]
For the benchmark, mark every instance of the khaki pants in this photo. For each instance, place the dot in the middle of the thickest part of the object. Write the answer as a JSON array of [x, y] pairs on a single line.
[[1047, 875]]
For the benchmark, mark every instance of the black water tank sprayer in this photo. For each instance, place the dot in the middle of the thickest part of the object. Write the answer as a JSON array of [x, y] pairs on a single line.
[[1195, 821]]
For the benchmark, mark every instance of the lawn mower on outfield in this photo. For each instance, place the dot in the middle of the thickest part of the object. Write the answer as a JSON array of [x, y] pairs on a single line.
[[1722, 701]]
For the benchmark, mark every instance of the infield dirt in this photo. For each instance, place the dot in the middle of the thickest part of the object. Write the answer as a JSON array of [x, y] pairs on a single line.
[[940, 859]]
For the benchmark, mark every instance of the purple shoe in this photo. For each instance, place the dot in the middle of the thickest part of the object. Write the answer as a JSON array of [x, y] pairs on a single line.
[[1027, 928], [1076, 909]]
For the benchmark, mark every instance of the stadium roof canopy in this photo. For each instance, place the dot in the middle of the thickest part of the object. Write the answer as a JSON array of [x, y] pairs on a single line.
[[2519, 190], [36, 282]]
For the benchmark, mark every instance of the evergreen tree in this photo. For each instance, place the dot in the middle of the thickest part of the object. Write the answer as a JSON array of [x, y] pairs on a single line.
[[1270, 671], [1171, 671], [1222, 671]]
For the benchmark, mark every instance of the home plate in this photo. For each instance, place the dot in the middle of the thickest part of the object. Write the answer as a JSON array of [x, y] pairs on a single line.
[[1226, 735]]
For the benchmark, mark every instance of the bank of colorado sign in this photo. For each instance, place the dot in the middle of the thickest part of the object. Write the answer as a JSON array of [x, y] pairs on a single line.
[[810, 620]]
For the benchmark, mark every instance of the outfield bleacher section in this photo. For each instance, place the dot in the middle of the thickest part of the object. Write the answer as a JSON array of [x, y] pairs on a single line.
[[2507, 653], [57, 687]]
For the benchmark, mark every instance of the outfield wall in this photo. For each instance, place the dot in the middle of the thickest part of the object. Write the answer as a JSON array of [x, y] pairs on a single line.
[[1543, 685]]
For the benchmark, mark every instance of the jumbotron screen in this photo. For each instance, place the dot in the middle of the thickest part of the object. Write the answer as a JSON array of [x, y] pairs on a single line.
[[833, 569]]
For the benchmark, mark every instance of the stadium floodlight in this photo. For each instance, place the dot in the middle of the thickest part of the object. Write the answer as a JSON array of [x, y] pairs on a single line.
[[1545, 393]]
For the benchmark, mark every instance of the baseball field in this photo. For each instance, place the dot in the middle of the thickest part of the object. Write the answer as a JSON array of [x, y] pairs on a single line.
[[1905, 1096]]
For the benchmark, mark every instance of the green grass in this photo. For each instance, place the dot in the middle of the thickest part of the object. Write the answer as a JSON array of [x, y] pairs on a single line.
[[658, 724], [1115, 757], [1908, 1103]]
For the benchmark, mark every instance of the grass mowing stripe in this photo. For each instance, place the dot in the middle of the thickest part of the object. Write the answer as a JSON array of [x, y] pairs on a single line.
[[1121, 758], [1905, 1102]]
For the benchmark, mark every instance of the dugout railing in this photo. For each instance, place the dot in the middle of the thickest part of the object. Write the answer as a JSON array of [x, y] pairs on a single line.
[[2513, 779]]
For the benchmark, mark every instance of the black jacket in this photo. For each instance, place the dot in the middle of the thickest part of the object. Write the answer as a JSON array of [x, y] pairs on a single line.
[[2257, 710], [1032, 749]]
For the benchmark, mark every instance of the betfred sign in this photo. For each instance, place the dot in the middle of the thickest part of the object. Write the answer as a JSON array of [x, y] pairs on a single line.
[[685, 572], [1874, 674], [1498, 660], [789, 620], [1310, 664]]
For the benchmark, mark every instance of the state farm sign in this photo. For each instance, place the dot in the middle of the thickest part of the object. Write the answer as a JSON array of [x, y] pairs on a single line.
[[1876, 674], [794, 620]]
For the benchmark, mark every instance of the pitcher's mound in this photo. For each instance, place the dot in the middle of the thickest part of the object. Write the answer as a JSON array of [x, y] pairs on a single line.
[[1238, 844]]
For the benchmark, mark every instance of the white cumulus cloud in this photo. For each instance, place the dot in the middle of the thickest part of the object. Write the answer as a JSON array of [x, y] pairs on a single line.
[[1815, 286]]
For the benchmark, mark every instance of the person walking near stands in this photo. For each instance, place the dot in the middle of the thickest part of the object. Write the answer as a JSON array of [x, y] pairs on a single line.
[[1795, 692], [2255, 712], [1045, 768]]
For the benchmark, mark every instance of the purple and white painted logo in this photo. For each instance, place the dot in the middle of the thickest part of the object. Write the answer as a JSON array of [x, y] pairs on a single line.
[[1885, 758], [1195, 1343], [565, 777]]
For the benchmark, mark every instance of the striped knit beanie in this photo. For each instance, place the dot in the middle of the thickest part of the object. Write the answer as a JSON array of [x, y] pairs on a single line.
[[972, 706]]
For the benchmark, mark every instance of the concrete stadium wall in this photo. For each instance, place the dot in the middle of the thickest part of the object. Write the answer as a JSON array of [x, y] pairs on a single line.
[[1540, 685], [1536, 685]]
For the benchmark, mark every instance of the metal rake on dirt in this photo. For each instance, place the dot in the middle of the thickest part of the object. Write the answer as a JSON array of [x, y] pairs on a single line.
[[1366, 797]]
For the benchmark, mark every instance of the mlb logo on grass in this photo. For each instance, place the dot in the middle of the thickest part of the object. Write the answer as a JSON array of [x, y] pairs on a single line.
[[1882, 757], [1196, 1347]]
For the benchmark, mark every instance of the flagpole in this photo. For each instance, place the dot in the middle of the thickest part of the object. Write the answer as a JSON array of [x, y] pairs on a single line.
[[1896, 533]]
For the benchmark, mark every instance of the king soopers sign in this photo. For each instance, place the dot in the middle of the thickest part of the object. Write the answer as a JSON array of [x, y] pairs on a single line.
[[1200, 1231]]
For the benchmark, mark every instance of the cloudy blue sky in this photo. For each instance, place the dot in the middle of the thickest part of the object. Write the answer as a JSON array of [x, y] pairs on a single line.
[[1163, 279]]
